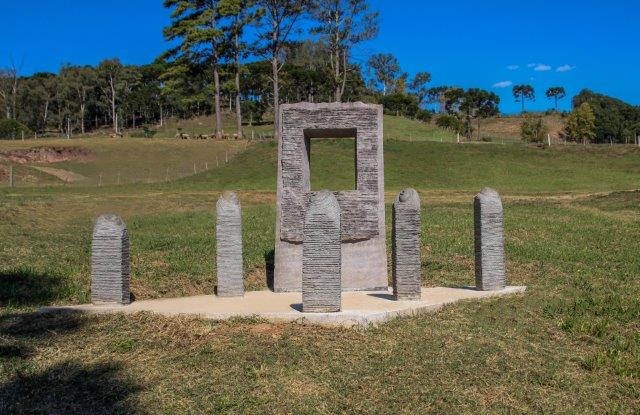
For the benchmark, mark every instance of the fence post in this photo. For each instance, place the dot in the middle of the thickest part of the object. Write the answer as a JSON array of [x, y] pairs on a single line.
[[226, 157], [11, 176]]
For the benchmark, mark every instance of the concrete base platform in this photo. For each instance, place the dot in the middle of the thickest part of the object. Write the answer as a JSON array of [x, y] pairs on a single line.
[[358, 308]]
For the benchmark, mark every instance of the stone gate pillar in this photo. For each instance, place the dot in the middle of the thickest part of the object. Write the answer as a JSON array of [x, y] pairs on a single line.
[[321, 255], [489, 241], [229, 246], [407, 281], [110, 266]]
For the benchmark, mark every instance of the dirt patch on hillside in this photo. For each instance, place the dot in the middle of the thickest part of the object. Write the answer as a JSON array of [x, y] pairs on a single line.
[[45, 155], [64, 175]]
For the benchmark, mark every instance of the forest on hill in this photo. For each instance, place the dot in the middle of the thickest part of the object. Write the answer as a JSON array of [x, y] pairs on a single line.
[[248, 56]]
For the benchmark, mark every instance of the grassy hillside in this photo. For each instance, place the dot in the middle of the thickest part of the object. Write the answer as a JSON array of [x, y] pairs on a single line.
[[570, 344], [509, 127], [467, 167], [421, 164]]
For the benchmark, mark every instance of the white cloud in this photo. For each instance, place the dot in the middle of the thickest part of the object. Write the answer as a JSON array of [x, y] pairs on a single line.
[[513, 67], [565, 68], [541, 67], [531, 65], [503, 84]]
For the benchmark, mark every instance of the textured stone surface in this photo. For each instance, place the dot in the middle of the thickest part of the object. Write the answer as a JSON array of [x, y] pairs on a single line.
[[321, 255], [489, 241], [364, 264], [229, 246], [110, 261], [406, 246]]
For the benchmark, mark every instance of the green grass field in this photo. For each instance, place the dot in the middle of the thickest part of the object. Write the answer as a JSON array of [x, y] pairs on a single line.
[[570, 344]]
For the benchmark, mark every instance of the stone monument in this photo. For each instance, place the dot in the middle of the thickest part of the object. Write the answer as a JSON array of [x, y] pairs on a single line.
[[110, 261], [489, 241], [406, 246], [229, 246], [364, 259], [321, 255]]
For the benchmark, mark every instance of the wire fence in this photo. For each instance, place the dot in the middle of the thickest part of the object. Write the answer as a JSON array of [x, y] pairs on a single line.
[[14, 176]]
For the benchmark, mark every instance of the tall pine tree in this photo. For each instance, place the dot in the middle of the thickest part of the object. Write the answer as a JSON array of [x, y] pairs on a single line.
[[196, 23]]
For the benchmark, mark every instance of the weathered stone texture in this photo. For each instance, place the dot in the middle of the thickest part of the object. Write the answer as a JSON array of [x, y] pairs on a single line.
[[229, 246], [489, 241], [406, 246], [110, 266], [321, 255], [362, 210]]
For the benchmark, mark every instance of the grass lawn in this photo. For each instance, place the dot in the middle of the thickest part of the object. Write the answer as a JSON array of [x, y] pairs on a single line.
[[570, 344]]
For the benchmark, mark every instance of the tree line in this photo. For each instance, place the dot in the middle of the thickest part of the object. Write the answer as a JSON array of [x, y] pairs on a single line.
[[246, 57]]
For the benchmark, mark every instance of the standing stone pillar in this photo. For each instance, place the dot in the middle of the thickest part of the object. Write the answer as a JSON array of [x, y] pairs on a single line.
[[406, 246], [110, 261], [489, 241], [321, 255], [229, 246]]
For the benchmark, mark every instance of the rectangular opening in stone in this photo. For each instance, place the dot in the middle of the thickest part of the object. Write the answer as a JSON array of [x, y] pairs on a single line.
[[332, 158]]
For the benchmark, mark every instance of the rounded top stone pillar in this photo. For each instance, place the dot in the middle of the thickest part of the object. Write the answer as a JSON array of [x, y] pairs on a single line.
[[409, 197], [109, 224], [321, 256], [489, 198], [489, 241], [110, 266]]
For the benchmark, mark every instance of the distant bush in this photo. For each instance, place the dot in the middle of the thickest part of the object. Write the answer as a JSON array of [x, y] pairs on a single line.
[[400, 104], [533, 129], [449, 122], [12, 129], [147, 132], [253, 111], [424, 115]]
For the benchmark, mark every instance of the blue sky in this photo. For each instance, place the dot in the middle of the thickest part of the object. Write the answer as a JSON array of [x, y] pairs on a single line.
[[575, 44]]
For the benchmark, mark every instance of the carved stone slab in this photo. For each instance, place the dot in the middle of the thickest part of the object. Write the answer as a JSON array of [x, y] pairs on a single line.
[[406, 246], [364, 263], [321, 255], [110, 266], [229, 246], [489, 241]]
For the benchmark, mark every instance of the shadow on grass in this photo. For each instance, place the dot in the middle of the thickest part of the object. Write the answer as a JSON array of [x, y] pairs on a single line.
[[71, 387], [19, 332], [24, 287], [269, 260]]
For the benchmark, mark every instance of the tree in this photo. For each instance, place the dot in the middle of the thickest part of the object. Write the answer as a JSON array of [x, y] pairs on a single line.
[[78, 83], [533, 129], [342, 24], [9, 90], [279, 19], [613, 116], [46, 90], [479, 104], [196, 24], [110, 73], [418, 86], [386, 68], [523, 93], [557, 93], [436, 95], [242, 13], [580, 124]]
